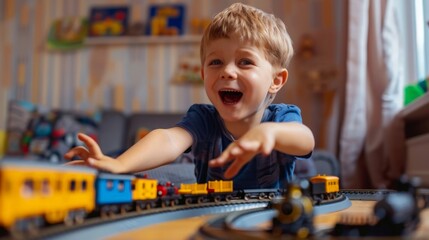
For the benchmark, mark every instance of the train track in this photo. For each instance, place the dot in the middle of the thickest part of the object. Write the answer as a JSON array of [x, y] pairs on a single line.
[[96, 227], [251, 224]]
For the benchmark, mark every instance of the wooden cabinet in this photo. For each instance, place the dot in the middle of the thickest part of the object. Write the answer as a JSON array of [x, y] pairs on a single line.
[[416, 123]]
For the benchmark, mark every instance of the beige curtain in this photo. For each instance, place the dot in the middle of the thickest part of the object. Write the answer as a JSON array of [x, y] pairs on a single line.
[[373, 93]]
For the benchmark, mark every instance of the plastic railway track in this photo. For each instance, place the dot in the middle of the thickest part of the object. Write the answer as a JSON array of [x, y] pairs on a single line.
[[97, 228], [247, 224]]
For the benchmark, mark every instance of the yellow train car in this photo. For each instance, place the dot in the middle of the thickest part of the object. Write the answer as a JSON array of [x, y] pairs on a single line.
[[322, 184], [193, 188], [220, 186], [144, 192], [35, 193]]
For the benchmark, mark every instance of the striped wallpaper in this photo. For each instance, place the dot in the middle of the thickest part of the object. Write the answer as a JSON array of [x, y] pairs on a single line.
[[137, 77]]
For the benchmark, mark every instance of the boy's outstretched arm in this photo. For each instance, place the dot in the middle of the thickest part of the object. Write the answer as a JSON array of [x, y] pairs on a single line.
[[288, 137], [159, 147]]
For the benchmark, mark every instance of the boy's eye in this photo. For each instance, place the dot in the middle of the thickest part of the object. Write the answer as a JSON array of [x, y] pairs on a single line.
[[215, 62], [245, 62]]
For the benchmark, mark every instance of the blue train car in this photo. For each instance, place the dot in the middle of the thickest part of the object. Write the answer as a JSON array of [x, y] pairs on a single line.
[[114, 193]]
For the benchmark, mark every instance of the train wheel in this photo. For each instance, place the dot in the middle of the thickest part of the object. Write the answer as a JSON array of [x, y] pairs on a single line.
[[79, 217], [32, 228], [228, 198], [262, 196], [123, 210], [68, 219], [16, 232], [217, 199], [271, 195], [200, 199], [33, 225], [139, 207], [188, 201], [104, 212], [172, 203], [246, 197]]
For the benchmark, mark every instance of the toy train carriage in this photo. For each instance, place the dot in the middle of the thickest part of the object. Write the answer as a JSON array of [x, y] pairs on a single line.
[[34, 193], [220, 190], [144, 193], [325, 187], [263, 193], [168, 194], [113, 193], [210, 191]]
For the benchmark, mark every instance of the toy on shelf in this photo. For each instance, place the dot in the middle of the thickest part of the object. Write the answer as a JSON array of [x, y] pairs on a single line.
[[166, 19], [197, 25], [108, 21], [188, 70], [67, 33]]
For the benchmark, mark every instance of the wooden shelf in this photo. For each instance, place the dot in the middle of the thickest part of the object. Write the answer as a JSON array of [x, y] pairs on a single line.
[[130, 40], [417, 109]]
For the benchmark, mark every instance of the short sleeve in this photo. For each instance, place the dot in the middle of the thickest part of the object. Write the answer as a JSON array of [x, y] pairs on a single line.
[[282, 113]]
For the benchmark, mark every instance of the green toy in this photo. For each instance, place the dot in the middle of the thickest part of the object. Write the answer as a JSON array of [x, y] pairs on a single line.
[[414, 91]]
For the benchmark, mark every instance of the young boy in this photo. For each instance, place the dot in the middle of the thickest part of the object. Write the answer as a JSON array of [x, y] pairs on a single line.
[[244, 55]]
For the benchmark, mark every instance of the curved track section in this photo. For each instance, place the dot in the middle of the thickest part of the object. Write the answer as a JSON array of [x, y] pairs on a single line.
[[122, 224], [253, 211], [249, 224]]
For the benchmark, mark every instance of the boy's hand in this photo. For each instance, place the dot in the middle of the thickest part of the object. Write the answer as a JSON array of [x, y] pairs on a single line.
[[92, 156], [258, 140]]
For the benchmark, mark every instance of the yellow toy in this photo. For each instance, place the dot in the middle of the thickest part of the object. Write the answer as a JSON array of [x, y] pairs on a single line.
[[34, 193]]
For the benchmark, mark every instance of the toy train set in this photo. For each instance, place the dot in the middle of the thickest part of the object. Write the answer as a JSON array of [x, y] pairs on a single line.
[[37, 194]]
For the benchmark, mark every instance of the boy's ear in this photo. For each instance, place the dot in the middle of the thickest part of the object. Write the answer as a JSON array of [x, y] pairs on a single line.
[[279, 80]]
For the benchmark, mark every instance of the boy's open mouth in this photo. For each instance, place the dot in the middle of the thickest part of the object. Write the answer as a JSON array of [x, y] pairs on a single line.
[[230, 96]]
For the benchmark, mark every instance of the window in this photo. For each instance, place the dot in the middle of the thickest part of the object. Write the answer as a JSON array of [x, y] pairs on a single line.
[[72, 185], [422, 37], [109, 184], [84, 185], [27, 189], [121, 186], [58, 186], [414, 27], [46, 189]]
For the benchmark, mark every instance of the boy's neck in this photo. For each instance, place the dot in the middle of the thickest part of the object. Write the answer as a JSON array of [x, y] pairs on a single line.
[[239, 128]]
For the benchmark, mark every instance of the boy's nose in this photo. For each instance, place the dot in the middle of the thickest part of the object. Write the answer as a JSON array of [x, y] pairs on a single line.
[[229, 72]]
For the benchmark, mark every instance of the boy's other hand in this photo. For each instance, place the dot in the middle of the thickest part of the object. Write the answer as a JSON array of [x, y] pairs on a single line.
[[92, 156], [257, 140]]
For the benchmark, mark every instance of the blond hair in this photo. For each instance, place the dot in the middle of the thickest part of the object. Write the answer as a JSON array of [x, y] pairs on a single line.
[[251, 24]]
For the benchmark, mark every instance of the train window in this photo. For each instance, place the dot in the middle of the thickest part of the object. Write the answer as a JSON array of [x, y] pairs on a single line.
[[84, 185], [109, 184], [121, 186], [58, 186], [27, 189], [6, 186], [73, 185], [46, 189]]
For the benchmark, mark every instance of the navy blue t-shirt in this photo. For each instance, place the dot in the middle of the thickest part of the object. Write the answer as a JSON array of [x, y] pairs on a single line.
[[211, 138]]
